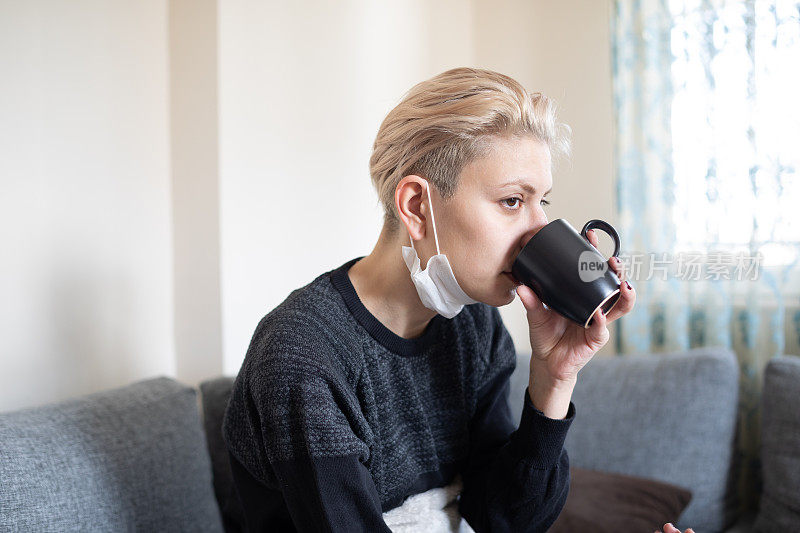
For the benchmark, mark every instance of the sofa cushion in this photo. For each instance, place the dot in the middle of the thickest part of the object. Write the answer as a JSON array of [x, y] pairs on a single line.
[[602, 502], [129, 459], [669, 417], [214, 395], [779, 509]]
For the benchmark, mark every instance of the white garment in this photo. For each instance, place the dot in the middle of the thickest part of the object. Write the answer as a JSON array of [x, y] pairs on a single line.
[[433, 511]]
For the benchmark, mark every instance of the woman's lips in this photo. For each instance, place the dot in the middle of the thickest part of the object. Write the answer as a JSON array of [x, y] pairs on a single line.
[[512, 278]]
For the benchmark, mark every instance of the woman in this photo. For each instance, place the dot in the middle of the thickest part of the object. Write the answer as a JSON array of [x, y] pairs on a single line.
[[387, 376]]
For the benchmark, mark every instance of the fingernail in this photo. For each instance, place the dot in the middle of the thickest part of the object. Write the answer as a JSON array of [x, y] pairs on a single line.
[[628, 285]]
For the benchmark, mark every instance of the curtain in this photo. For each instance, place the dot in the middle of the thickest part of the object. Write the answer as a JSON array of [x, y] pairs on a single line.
[[707, 158]]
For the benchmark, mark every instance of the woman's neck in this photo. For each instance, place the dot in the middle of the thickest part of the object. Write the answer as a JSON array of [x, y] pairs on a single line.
[[383, 284]]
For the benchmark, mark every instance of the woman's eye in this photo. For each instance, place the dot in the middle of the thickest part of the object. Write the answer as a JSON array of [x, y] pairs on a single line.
[[516, 201]]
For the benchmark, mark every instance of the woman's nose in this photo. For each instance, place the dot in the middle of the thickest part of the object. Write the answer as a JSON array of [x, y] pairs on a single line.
[[538, 221]]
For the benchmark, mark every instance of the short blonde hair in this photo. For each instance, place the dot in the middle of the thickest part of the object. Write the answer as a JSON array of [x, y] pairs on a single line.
[[444, 123]]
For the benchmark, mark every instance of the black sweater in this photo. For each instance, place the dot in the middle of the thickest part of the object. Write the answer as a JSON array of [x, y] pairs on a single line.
[[334, 419]]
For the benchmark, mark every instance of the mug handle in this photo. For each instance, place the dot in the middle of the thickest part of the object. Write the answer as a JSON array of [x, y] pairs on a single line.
[[605, 226]]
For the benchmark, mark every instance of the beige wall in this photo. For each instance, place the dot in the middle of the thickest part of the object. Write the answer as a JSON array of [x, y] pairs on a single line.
[[172, 170], [86, 268], [561, 48], [194, 137]]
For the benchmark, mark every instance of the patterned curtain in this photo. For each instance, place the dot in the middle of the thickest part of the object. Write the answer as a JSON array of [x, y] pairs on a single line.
[[707, 108]]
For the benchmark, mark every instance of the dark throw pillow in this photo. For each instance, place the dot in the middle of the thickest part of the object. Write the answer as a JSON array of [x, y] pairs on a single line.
[[607, 502]]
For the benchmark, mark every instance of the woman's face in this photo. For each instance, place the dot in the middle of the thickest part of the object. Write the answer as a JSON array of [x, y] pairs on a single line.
[[498, 206]]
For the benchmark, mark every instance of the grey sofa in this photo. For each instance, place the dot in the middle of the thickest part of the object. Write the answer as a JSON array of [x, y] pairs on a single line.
[[149, 456]]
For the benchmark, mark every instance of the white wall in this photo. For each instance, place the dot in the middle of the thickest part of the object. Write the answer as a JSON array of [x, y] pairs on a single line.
[[226, 146], [85, 274], [302, 95]]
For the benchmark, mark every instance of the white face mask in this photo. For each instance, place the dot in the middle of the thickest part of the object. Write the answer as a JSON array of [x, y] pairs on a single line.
[[436, 285]]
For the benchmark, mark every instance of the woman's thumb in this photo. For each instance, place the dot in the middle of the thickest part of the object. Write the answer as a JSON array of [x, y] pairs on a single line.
[[529, 298], [597, 334]]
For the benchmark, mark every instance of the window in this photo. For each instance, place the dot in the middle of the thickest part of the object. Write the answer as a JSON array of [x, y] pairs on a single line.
[[736, 126]]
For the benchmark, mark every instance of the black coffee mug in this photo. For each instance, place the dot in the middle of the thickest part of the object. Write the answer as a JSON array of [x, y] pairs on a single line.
[[567, 273]]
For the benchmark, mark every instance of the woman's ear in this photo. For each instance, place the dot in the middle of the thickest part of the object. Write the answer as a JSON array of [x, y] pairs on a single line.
[[411, 202]]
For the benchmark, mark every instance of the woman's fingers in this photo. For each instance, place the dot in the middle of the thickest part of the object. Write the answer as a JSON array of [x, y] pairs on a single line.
[[592, 237], [614, 262], [537, 314], [669, 528], [618, 267], [627, 297], [528, 298], [596, 335]]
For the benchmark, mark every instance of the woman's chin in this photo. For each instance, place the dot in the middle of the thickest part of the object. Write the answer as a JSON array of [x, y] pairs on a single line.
[[503, 293], [504, 297], [512, 295]]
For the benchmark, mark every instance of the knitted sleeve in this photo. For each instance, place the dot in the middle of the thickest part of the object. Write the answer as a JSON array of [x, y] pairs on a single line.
[[315, 445], [516, 479]]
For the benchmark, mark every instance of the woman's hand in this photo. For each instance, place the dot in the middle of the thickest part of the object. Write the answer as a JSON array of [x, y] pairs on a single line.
[[559, 346], [669, 528]]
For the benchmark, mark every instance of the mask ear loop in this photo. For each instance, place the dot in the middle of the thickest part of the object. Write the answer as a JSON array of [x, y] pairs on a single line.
[[433, 219]]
